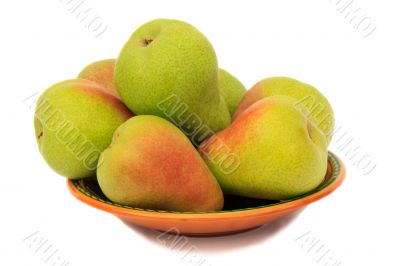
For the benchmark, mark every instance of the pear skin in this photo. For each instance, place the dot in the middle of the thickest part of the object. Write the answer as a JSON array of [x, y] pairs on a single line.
[[74, 122], [306, 95], [169, 59], [282, 153], [101, 72], [151, 164], [231, 89]]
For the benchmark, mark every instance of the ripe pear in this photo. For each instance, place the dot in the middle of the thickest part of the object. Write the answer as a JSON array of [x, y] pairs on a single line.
[[231, 89], [307, 97], [101, 72], [74, 122], [151, 164], [168, 68], [281, 152]]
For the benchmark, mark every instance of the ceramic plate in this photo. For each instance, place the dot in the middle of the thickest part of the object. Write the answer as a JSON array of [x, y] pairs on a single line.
[[239, 214]]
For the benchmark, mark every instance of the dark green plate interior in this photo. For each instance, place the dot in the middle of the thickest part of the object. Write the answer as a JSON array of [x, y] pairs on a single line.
[[90, 188]]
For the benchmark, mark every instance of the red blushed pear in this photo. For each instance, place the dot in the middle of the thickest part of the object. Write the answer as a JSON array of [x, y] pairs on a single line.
[[151, 164], [307, 97], [101, 72], [282, 153], [74, 122]]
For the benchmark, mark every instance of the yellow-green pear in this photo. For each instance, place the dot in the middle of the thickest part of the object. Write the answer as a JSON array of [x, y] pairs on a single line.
[[231, 89], [168, 68], [307, 97], [74, 122], [280, 153]]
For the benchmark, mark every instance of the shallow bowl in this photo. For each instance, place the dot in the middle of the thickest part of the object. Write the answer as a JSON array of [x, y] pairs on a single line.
[[239, 214]]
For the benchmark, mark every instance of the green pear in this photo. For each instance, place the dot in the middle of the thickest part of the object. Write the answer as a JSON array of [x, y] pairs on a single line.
[[101, 72], [307, 97], [74, 122], [169, 69], [280, 153], [151, 164], [231, 89]]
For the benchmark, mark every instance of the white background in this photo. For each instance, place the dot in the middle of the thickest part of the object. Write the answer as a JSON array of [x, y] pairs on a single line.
[[42, 43]]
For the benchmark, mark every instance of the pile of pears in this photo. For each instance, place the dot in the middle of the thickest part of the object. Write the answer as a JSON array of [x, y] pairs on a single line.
[[162, 127]]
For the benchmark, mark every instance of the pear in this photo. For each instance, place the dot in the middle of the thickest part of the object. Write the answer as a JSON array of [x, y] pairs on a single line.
[[307, 97], [101, 72], [168, 68], [231, 89], [281, 152], [74, 122], [151, 164]]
